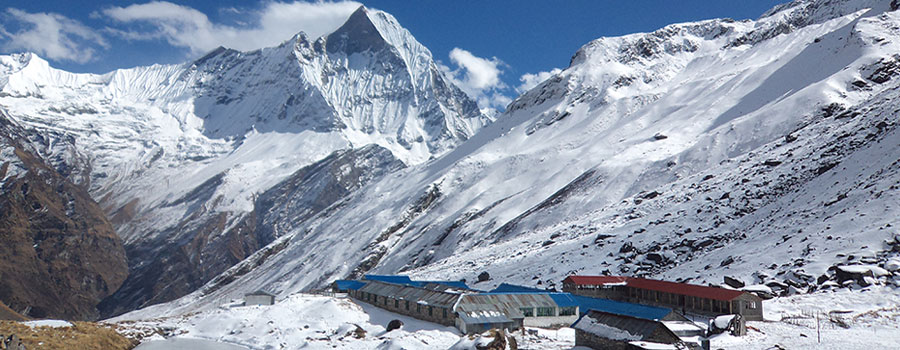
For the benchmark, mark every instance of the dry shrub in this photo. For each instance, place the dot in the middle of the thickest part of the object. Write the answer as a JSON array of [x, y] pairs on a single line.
[[81, 336]]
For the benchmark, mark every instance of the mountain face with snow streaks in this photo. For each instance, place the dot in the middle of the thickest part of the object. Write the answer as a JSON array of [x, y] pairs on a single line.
[[61, 255], [762, 150], [179, 156]]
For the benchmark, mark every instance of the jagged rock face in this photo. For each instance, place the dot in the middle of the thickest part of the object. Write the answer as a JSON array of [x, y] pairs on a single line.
[[179, 267], [60, 254], [762, 150], [314, 188], [178, 155]]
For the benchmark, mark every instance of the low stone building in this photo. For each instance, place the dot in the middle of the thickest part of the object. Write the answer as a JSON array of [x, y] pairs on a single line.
[[259, 297], [608, 331], [687, 298], [474, 317], [546, 310], [432, 302]]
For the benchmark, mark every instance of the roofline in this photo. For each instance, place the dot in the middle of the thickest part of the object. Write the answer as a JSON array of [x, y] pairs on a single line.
[[626, 280], [660, 322]]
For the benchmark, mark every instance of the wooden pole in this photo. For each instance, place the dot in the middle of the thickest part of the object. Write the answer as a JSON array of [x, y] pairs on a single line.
[[818, 330]]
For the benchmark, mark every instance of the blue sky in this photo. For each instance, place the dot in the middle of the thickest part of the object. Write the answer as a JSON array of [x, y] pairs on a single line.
[[492, 48]]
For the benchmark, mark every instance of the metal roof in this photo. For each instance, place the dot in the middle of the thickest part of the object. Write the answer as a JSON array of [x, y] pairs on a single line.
[[606, 324], [419, 295], [560, 299], [480, 313], [260, 292], [512, 302], [454, 284], [513, 288], [396, 279], [657, 285], [646, 312], [349, 284], [405, 280]]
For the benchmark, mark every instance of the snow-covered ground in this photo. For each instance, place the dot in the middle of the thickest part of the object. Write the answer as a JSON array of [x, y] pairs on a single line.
[[48, 323], [858, 319], [304, 321], [848, 319], [320, 322], [187, 344]]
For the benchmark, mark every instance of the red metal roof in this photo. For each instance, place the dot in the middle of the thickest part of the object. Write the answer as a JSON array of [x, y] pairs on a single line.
[[657, 285]]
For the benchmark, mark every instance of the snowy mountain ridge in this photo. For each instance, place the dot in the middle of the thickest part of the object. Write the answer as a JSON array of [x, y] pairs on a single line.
[[178, 154], [704, 149]]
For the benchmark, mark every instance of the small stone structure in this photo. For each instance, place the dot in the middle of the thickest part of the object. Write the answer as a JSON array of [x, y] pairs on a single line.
[[259, 297]]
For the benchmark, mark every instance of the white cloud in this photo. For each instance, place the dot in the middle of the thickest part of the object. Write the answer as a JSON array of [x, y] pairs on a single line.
[[529, 81], [481, 73], [478, 77], [51, 35], [186, 27]]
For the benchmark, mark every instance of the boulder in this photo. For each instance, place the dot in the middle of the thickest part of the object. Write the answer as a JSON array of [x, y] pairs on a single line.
[[864, 275], [484, 276], [892, 265], [733, 282], [394, 324], [359, 333], [655, 258]]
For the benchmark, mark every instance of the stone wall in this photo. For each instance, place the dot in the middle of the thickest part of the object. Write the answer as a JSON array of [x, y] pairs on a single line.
[[440, 315], [592, 341]]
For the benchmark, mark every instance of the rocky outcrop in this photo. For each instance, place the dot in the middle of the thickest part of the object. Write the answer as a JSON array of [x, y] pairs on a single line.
[[60, 253]]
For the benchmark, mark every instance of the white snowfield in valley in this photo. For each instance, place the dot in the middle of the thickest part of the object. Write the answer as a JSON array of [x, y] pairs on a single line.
[[847, 320]]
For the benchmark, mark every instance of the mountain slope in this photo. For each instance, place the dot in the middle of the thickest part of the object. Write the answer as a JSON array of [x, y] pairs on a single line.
[[700, 150], [177, 155], [60, 254]]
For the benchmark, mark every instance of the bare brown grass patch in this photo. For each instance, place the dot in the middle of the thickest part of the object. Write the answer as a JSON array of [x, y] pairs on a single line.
[[81, 336]]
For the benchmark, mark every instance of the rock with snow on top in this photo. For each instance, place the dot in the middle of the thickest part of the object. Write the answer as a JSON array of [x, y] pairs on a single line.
[[892, 265]]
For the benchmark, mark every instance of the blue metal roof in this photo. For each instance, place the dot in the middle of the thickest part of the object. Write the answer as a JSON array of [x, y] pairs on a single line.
[[652, 313], [405, 280], [454, 284], [560, 299], [512, 288], [349, 284], [395, 279], [564, 299]]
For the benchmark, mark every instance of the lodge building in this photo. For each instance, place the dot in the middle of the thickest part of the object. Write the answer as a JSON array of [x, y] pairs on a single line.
[[688, 298]]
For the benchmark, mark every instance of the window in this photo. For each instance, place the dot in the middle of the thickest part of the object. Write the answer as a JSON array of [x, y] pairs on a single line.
[[445, 312], [567, 311], [545, 311], [419, 308], [751, 305], [527, 311], [396, 303]]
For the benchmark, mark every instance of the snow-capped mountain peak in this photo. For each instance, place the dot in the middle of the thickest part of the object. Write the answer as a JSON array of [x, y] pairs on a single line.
[[180, 153]]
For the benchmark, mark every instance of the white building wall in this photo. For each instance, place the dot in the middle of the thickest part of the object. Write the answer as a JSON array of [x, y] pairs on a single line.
[[258, 300], [548, 321]]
